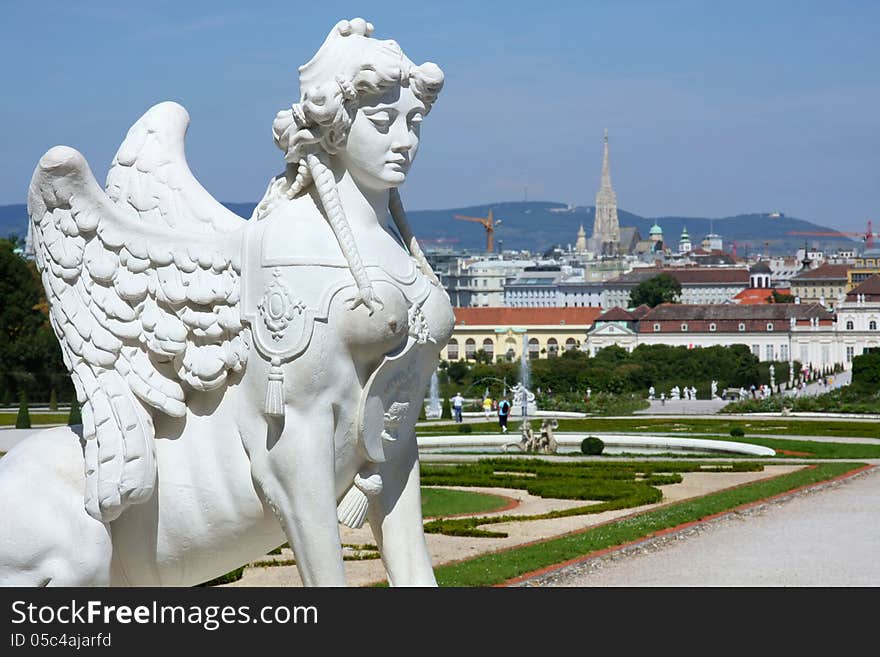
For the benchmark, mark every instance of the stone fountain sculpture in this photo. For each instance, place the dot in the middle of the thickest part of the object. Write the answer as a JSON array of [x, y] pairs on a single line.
[[523, 399], [242, 382], [543, 443]]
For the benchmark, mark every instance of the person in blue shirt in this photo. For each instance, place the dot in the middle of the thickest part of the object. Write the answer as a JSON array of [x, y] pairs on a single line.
[[503, 413]]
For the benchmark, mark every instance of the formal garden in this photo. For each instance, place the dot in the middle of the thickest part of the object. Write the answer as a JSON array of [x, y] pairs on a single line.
[[602, 486]]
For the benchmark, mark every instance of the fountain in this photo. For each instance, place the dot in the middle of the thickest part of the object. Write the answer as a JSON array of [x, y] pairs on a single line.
[[523, 398], [434, 410]]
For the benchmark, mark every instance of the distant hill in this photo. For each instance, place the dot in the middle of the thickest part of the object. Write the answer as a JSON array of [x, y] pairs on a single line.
[[539, 225]]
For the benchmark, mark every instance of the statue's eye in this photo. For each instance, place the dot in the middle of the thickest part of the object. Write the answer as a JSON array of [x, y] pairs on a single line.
[[381, 119]]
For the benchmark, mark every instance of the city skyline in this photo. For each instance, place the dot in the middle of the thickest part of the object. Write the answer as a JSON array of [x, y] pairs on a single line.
[[711, 110]]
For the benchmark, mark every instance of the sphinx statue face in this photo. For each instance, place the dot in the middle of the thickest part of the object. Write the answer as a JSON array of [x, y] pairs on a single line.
[[383, 138]]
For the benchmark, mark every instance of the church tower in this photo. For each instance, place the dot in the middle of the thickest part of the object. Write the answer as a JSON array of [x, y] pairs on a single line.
[[606, 229], [581, 244]]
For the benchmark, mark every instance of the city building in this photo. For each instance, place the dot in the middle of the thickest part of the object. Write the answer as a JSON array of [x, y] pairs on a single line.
[[580, 244], [504, 332], [858, 320], [684, 242], [476, 281], [698, 284], [863, 267], [825, 285], [773, 332]]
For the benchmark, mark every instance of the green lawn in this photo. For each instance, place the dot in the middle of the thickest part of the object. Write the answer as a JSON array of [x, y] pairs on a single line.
[[446, 502], [37, 418]]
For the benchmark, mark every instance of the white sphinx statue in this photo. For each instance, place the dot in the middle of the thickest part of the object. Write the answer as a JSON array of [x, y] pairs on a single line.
[[243, 383]]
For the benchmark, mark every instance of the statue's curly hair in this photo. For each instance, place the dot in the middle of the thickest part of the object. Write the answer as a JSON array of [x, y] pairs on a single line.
[[319, 124]]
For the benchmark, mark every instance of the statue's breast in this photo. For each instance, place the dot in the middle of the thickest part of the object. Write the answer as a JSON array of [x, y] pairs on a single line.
[[286, 291]]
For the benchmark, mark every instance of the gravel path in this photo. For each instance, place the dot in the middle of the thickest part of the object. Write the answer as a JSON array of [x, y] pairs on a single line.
[[826, 536]]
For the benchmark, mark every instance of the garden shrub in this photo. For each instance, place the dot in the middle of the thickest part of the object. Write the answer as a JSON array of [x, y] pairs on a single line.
[[75, 416], [737, 432], [23, 419], [592, 446], [446, 412], [465, 428]]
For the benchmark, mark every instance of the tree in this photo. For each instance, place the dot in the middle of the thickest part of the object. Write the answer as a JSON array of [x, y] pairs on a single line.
[[457, 371], [866, 371], [23, 420], [781, 297], [446, 410], [30, 356], [75, 416], [482, 356], [663, 288]]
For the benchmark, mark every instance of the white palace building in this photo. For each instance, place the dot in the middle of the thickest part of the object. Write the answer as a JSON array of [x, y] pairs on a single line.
[[806, 332]]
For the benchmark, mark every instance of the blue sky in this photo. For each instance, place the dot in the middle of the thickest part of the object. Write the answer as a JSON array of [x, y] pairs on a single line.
[[713, 108]]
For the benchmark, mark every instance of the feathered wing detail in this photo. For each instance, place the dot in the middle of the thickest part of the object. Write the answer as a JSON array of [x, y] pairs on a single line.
[[150, 175], [143, 312]]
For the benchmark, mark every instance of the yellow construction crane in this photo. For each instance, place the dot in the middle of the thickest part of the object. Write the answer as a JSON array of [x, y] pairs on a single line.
[[488, 223]]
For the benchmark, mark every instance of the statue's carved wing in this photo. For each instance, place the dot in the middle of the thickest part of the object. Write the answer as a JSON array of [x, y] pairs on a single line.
[[143, 289], [150, 176]]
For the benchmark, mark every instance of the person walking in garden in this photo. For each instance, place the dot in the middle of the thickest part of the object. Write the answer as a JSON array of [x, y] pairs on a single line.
[[503, 413], [457, 403], [487, 407]]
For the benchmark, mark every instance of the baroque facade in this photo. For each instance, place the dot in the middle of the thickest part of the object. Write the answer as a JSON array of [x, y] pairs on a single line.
[[505, 332]]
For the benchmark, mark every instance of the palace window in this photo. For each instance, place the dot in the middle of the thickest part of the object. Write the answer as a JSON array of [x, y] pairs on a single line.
[[552, 348], [489, 347], [756, 350], [570, 344], [470, 348], [684, 327], [849, 354], [741, 327], [849, 325], [534, 348], [452, 350], [768, 352], [769, 326], [872, 325], [656, 328], [713, 327]]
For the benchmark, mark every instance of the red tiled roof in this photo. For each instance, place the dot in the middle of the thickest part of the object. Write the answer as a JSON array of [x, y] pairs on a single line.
[[870, 287], [824, 272], [753, 295], [640, 311], [770, 311], [525, 316], [616, 314]]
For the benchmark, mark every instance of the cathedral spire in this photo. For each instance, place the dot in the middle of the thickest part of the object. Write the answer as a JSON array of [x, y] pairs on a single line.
[[606, 164], [606, 229]]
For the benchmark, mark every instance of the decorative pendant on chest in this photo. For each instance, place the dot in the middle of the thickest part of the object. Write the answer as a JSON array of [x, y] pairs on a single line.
[[277, 307]]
